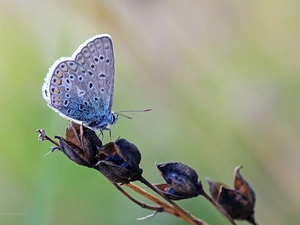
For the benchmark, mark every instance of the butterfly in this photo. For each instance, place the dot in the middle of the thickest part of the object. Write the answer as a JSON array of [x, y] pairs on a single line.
[[81, 87]]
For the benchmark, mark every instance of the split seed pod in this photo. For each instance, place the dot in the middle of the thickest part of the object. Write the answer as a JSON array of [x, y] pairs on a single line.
[[119, 161], [238, 202], [80, 145]]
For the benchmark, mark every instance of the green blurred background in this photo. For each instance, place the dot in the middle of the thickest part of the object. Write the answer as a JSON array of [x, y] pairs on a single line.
[[222, 78]]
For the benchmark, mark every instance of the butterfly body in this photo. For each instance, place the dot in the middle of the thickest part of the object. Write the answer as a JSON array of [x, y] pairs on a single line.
[[81, 87]]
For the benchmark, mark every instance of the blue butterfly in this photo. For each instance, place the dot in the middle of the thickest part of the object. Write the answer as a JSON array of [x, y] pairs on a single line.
[[81, 87]]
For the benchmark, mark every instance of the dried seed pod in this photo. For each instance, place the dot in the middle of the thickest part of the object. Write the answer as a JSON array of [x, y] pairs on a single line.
[[72, 151], [119, 161], [182, 181], [84, 138], [238, 202], [86, 141], [129, 153], [171, 193], [80, 145], [242, 185], [214, 188], [235, 204]]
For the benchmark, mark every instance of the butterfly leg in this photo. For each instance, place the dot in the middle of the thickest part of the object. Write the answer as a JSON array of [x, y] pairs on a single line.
[[109, 130], [101, 134]]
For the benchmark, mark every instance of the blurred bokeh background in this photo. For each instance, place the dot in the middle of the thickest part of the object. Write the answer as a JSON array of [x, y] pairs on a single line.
[[222, 78]]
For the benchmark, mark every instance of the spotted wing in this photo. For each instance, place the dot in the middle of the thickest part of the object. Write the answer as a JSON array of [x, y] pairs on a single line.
[[68, 91], [97, 56], [81, 87]]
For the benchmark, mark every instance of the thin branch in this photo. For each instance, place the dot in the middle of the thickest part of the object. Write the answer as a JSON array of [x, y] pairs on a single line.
[[149, 216], [147, 195], [252, 220], [166, 207], [148, 184], [43, 137], [143, 205], [218, 207]]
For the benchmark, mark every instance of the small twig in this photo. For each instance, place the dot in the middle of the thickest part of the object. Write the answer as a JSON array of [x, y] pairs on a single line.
[[43, 137], [252, 221], [52, 150], [218, 207], [149, 216]]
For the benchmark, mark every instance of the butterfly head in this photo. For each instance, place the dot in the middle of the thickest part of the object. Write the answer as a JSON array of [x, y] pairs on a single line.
[[101, 122]]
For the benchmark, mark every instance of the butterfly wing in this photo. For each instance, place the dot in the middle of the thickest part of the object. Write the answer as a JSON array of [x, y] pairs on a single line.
[[80, 88], [97, 56]]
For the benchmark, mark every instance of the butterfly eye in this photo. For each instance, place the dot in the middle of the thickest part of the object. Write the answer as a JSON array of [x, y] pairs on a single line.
[[113, 118]]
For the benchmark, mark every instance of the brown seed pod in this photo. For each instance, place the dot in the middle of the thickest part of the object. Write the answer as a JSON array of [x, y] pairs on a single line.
[[80, 145], [237, 202], [119, 161], [181, 181]]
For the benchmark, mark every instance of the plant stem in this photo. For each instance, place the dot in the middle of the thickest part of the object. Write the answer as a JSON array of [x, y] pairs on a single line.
[[148, 184], [218, 207], [143, 205], [43, 137], [165, 207]]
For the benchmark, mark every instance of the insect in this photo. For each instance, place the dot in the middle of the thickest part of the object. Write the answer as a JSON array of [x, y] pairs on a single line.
[[81, 87]]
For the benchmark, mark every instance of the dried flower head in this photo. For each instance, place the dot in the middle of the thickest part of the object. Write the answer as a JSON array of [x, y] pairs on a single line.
[[237, 202], [80, 145], [119, 161], [181, 181]]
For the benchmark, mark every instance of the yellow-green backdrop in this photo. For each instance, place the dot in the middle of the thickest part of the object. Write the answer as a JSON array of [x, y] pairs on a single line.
[[222, 78]]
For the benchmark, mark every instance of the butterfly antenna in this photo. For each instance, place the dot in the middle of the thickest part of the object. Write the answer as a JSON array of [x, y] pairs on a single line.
[[133, 110]]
